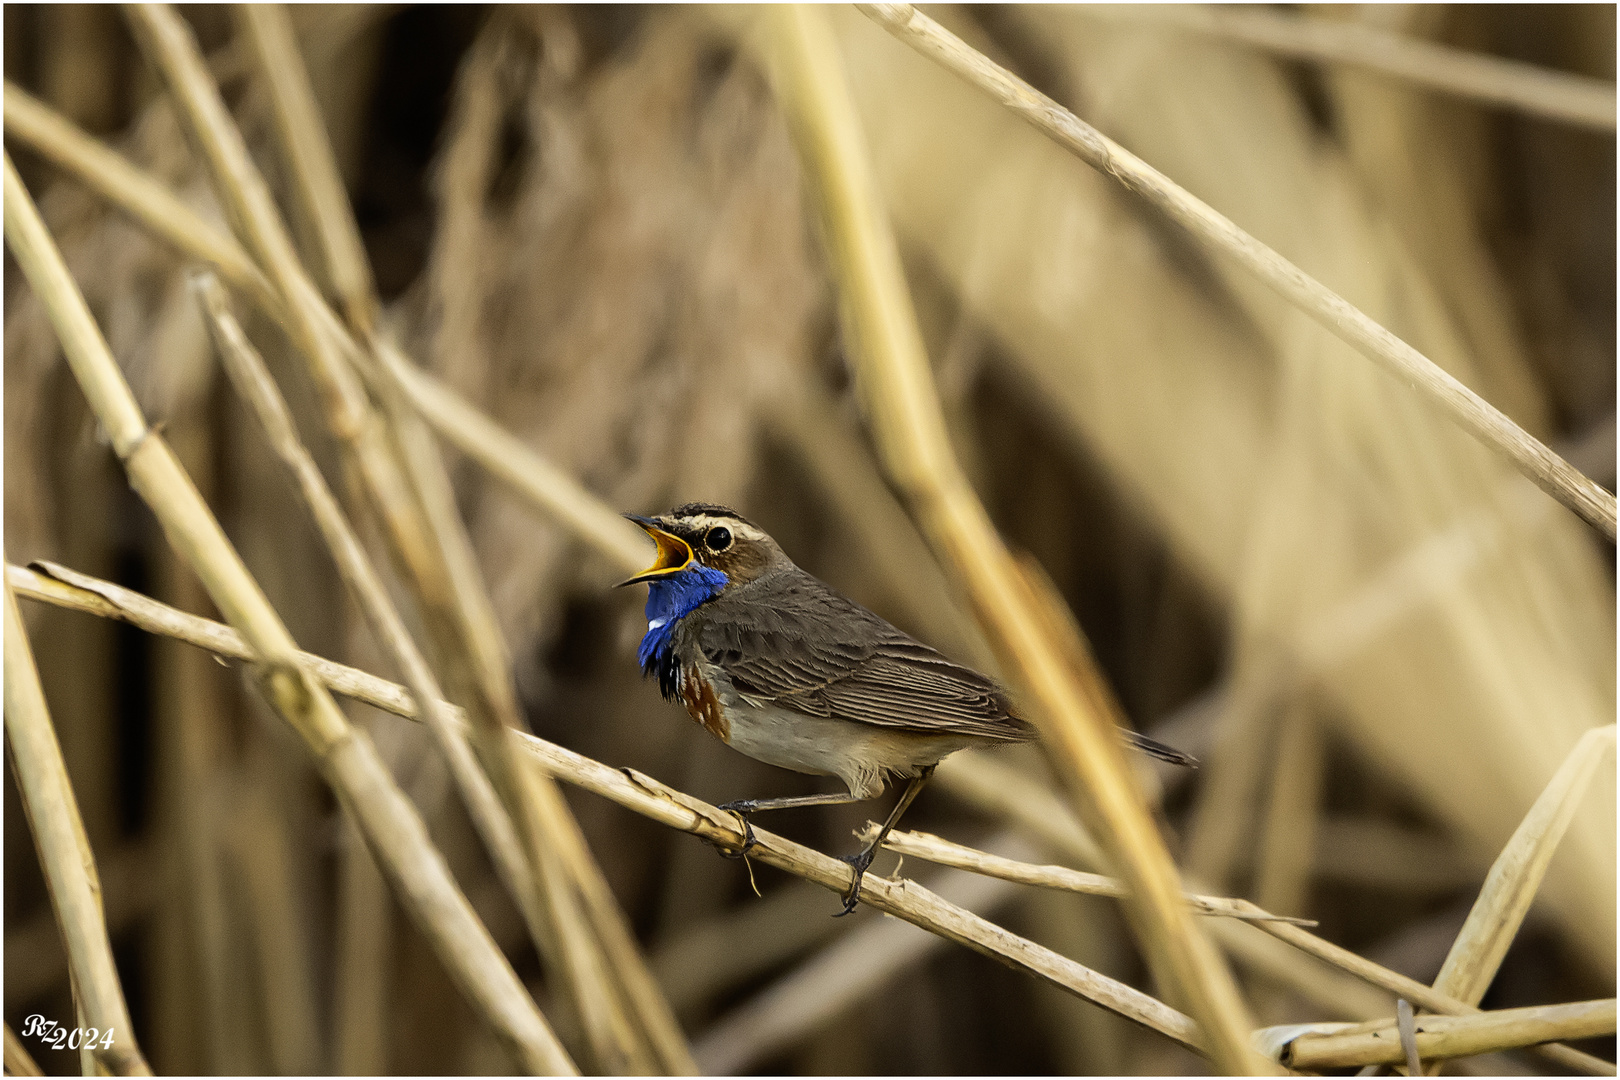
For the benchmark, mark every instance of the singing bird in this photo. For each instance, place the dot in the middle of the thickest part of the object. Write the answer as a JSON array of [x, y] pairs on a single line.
[[776, 664]]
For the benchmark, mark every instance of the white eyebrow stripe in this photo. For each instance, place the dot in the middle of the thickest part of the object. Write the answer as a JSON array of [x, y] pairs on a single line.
[[738, 529]]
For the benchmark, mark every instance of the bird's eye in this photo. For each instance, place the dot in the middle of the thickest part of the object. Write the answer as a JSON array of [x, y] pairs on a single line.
[[718, 538]]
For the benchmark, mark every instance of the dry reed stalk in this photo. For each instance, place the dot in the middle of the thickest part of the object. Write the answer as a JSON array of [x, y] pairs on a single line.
[[518, 465], [168, 44], [1440, 1037], [65, 588], [19, 1062], [902, 406], [1282, 878], [1223, 816], [1416, 155], [1004, 792], [1526, 88], [1044, 816], [144, 198], [525, 866], [947, 853], [35, 961], [591, 938], [482, 670], [64, 855], [346, 758], [1457, 641], [259, 392], [433, 548], [1420, 994], [1504, 900], [270, 37], [360, 998], [808, 422], [509, 459], [1406, 1033], [258, 850], [1389, 979], [1434, 385], [190, 697], [130, 188], [987, 784], [902, 898]]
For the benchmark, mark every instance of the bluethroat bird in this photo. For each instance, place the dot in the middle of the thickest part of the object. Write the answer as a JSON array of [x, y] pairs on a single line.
[[777, 665]]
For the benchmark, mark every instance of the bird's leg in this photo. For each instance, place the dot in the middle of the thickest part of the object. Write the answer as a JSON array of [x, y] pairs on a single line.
[[743, 807], [864, 859], [754, 806]]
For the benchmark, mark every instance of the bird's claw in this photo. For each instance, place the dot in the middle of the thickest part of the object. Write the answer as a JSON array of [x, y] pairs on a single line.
[[859, 862], [749, 842]]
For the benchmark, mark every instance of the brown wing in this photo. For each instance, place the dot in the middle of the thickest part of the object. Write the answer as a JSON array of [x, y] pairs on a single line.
[[790, 639]]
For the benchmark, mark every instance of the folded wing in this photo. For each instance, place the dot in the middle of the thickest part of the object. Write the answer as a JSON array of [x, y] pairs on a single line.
[[822, 654]]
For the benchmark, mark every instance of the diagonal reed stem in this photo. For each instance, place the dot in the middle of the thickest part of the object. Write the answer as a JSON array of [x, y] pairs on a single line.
[[1516, 875], [346, 757], [529, 475], [1493, 80], [411, 495], [268, 33], [65, 857], [631, 1028], [642, 794], [1432, 383], [1440, 1037], [1038, 811], [134, 191], [258, 391], [936, 849], [19, 1062], [57, 585], [902, 408]]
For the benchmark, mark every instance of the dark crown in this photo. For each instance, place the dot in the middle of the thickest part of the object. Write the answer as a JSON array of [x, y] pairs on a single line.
[[707, 510]]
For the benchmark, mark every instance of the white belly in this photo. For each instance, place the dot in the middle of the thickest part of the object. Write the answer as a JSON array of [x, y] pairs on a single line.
[[861, 755]]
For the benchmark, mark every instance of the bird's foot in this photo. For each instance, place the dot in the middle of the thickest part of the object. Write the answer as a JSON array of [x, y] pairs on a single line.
[[860, 862], [741, 808]]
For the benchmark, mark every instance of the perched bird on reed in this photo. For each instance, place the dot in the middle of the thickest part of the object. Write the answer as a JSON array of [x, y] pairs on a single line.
[[777, 665]]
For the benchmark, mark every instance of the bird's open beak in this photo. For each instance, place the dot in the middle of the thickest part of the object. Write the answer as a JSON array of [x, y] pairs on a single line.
[[674, 554]]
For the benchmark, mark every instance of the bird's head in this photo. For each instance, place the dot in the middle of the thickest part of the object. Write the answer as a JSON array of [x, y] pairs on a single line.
[[698, 539]]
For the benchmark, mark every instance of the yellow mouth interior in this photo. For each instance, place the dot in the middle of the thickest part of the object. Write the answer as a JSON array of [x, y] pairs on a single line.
[[674, 555]]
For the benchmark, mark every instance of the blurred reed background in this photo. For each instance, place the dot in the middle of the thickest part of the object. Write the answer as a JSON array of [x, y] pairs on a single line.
[[591, 222]]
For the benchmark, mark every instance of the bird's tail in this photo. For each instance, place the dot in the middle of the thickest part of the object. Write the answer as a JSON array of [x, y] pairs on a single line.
[[1159, 750]]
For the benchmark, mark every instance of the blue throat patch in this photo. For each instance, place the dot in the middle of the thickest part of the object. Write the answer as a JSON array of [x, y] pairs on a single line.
[[669, 600]]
